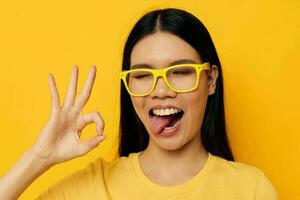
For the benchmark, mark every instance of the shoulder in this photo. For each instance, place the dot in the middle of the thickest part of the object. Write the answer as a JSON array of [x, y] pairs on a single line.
[[236, 168], [102, 169], [120, 167], [100, 165], [90, 180], [242, 176]]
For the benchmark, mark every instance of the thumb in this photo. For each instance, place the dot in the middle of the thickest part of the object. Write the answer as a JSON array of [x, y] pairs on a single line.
[[90, 144]]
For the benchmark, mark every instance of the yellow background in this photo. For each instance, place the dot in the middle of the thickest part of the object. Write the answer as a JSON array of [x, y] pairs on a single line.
[[257, 41]]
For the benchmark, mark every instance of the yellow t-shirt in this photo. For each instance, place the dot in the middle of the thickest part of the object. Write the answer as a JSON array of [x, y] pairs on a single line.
[[124, 179]]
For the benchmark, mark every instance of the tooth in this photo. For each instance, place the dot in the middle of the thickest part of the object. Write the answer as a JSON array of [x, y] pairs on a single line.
[[157, 111], [160, 112], [167, 112]]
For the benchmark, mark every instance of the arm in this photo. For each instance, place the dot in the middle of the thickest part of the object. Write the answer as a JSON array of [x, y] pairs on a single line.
[[22, 174]]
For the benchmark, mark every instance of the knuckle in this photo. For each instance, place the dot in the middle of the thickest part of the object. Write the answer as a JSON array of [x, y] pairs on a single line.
[[100, 118], [79, 100], [97, 114], [78, 103], [86, 95], [72, 93]]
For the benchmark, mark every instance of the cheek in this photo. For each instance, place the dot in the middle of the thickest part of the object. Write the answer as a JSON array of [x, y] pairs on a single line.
[[196, 106], [138, 104]]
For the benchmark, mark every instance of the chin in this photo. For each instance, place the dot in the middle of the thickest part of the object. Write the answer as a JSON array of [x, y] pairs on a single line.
[[168, 144]]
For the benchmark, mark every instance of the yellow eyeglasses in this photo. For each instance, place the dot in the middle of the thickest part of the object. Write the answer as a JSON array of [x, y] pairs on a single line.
[[179, 78]]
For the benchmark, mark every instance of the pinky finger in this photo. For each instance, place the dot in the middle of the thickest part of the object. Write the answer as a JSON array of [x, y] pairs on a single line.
[[54, 93]]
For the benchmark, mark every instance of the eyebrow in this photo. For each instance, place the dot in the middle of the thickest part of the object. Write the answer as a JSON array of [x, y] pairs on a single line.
[[176, 62]]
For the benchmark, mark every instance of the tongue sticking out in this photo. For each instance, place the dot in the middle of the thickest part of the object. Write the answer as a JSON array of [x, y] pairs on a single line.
[[158, 123]]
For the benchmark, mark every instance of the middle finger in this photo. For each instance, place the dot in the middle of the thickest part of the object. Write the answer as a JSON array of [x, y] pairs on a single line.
[[69, 100], [86, 92]]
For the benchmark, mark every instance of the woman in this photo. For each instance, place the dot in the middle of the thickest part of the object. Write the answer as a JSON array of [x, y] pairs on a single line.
[[173, 142]]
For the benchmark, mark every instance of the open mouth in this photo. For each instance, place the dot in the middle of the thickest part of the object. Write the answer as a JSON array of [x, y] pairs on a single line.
[[164, 119]]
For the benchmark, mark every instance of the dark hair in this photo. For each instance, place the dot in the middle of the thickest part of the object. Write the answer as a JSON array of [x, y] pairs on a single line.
[[133, 135]]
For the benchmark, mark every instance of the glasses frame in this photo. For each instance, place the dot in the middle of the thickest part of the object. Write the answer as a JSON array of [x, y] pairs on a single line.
[[163, 73]]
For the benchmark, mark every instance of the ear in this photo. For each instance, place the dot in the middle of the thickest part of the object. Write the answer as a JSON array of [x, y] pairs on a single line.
[[212, 79]]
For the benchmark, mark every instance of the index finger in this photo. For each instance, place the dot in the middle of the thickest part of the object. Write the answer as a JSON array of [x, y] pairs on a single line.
[[86, 92]]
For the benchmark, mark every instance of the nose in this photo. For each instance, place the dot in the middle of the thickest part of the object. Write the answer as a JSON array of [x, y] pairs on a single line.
[[161, 90]]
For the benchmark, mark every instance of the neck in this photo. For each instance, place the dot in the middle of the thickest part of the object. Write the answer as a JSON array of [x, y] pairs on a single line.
[[185, 161]]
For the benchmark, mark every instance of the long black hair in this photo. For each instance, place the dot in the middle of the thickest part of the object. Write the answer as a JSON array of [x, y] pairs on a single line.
[[133, 135]]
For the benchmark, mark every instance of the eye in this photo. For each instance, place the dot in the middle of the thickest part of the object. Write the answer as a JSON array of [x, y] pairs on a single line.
[[182, 71], [139, 75]]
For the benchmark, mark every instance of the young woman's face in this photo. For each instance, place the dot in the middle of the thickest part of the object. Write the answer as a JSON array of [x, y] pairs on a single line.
[[158, 50]]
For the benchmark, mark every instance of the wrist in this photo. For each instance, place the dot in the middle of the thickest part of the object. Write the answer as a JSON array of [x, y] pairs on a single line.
[[40, 162]]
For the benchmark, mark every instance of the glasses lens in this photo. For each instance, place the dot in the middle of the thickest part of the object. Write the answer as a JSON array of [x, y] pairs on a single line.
[[182, 78], [139, 82]]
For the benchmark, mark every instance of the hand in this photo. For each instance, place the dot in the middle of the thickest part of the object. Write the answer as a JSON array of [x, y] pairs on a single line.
[[60, 141]]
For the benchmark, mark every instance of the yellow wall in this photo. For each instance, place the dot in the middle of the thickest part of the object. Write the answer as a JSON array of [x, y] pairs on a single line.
[[257, 43]]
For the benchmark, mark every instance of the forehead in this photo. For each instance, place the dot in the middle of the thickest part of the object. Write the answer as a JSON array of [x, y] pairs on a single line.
[[162, 48]]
